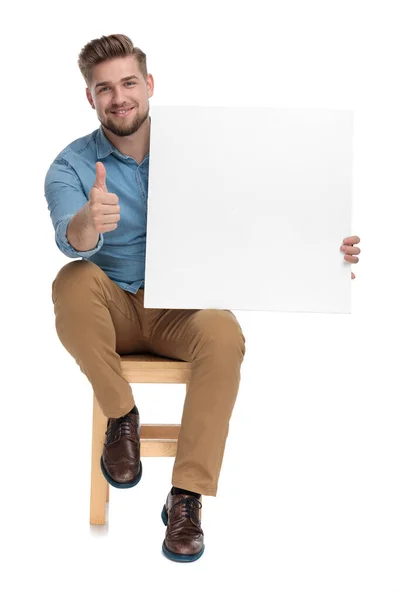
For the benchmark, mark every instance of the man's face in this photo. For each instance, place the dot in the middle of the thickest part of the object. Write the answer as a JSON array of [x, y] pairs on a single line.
[[109, 93]]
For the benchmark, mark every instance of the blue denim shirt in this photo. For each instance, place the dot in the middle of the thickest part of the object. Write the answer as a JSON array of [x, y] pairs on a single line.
[[121, 252]]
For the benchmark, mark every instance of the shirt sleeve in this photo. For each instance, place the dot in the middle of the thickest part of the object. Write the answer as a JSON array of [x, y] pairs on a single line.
[[65, 196]]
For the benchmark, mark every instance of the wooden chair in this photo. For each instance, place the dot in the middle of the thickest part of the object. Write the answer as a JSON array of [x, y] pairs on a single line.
[[155, 440]]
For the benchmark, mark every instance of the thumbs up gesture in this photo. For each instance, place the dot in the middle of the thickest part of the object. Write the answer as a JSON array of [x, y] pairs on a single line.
[[103, 210]]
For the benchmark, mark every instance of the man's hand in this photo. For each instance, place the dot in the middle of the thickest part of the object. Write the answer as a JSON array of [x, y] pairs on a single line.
[[102, 209], [350, 250]]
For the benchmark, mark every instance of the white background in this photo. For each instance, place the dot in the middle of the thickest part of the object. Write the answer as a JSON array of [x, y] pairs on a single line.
[[309, 493]]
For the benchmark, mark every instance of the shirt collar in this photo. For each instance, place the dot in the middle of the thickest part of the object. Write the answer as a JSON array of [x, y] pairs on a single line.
[[105, 147]]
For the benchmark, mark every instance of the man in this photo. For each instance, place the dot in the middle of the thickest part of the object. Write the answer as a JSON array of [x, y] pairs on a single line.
[[96, 190]]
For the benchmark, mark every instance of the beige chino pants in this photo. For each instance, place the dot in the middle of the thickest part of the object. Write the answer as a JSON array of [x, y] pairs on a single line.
[[97, 321]]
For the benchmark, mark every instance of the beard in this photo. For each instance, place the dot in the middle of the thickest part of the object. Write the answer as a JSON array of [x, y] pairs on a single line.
[[132, 124]]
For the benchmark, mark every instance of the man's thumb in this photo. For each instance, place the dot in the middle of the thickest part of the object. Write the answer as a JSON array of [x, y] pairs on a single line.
[[100, 181]]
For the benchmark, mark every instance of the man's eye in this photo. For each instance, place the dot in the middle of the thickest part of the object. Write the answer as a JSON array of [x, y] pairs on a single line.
[[127, 82]]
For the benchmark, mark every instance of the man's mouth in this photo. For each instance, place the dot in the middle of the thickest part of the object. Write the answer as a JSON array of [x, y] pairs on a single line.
[[122, 112]]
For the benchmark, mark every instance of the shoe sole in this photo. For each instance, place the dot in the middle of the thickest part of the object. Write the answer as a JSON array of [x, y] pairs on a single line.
[[116, 484], [174, 555]]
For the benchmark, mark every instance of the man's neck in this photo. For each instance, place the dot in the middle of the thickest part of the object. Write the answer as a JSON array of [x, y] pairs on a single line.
[[136, 145]]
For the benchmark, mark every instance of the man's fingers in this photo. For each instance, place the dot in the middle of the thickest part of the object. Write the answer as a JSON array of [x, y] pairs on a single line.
[[350, 249], [354, 239], [351, 259]]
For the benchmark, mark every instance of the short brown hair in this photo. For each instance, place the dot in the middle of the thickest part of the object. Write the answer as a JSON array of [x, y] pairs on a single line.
[[106, 47]]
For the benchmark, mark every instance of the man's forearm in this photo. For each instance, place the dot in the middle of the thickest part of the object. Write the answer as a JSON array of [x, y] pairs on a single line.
[[80, 233]]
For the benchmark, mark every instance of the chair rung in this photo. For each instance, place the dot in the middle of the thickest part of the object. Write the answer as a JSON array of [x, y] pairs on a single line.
[[159, 433]]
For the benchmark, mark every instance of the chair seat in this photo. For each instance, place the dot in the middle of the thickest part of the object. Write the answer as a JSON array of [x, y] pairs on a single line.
[[148, 368]]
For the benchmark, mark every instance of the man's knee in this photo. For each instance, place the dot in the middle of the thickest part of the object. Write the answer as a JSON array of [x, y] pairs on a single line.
[[221, 328], [72, 274]]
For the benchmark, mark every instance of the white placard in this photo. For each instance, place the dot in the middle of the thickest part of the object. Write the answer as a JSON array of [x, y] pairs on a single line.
[[248, 207]]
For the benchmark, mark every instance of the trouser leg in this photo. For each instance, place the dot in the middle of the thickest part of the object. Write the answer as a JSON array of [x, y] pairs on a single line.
[[213, 341], [96, 321]]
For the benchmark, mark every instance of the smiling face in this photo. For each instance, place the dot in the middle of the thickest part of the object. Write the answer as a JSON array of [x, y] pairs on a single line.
[[118, 85]]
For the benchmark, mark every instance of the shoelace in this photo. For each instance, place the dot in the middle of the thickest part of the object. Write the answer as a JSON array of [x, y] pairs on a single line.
[[120, 426], [188, 508]]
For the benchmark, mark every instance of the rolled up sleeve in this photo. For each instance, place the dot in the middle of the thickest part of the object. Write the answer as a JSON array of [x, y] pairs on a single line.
[[65, 196]]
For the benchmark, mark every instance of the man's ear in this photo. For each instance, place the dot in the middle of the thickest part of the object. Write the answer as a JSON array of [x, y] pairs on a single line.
[[150, 85]]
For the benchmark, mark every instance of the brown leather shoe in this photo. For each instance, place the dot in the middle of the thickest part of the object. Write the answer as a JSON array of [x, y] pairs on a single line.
[[184, 538], [120, 462]]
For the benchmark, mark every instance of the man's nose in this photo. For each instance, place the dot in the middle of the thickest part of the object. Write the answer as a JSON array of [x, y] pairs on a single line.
[[119, 97]]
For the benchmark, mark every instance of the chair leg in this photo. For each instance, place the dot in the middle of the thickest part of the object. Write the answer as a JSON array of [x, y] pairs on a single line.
[[99, 485]]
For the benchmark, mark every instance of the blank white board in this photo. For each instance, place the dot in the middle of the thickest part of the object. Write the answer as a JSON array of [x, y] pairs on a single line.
[[248, 207]]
